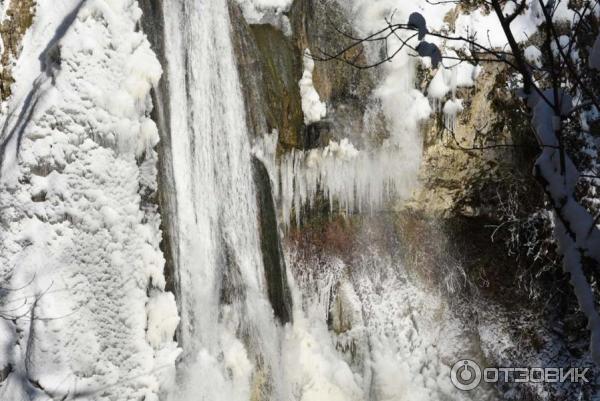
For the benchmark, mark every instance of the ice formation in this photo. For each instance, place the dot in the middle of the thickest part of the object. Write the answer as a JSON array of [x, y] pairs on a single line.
[[267, 12], [312, 106], [355, 180], [80, 245], [451, 109], [358, 179], [448, 78], [351, 180]]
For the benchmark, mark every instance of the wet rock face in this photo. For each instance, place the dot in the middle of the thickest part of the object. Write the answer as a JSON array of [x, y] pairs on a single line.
[[19, 18], [281, 65], [317, 25], [152, 24], [274, 263], [253, 78]]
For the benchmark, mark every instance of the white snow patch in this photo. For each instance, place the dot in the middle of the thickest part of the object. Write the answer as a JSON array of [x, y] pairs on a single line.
[[4, 6], [162, 319], [533, 55], [314, 110], [451, 109], [267, 12], [488, 30]]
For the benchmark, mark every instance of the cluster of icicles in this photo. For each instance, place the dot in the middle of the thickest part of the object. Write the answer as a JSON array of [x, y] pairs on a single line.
[[353, 181]]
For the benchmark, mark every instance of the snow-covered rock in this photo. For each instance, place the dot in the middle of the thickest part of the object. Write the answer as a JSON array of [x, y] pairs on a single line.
[[80, 245]]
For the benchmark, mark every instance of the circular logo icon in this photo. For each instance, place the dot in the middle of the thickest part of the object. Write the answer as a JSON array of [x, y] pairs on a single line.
[[465, 375]]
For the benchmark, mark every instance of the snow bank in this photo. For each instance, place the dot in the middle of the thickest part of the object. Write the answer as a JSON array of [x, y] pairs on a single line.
[[80, 243], [315, 369], [162, 318]]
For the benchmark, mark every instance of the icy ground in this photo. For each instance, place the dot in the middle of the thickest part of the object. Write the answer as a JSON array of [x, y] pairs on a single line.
[[83, 307]]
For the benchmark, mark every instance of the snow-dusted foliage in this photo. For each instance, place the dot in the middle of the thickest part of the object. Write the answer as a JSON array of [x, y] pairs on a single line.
[[81, 273], [485, 25]]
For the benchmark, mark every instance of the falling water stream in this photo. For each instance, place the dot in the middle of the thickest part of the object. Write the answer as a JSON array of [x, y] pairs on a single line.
[[227, 322]]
